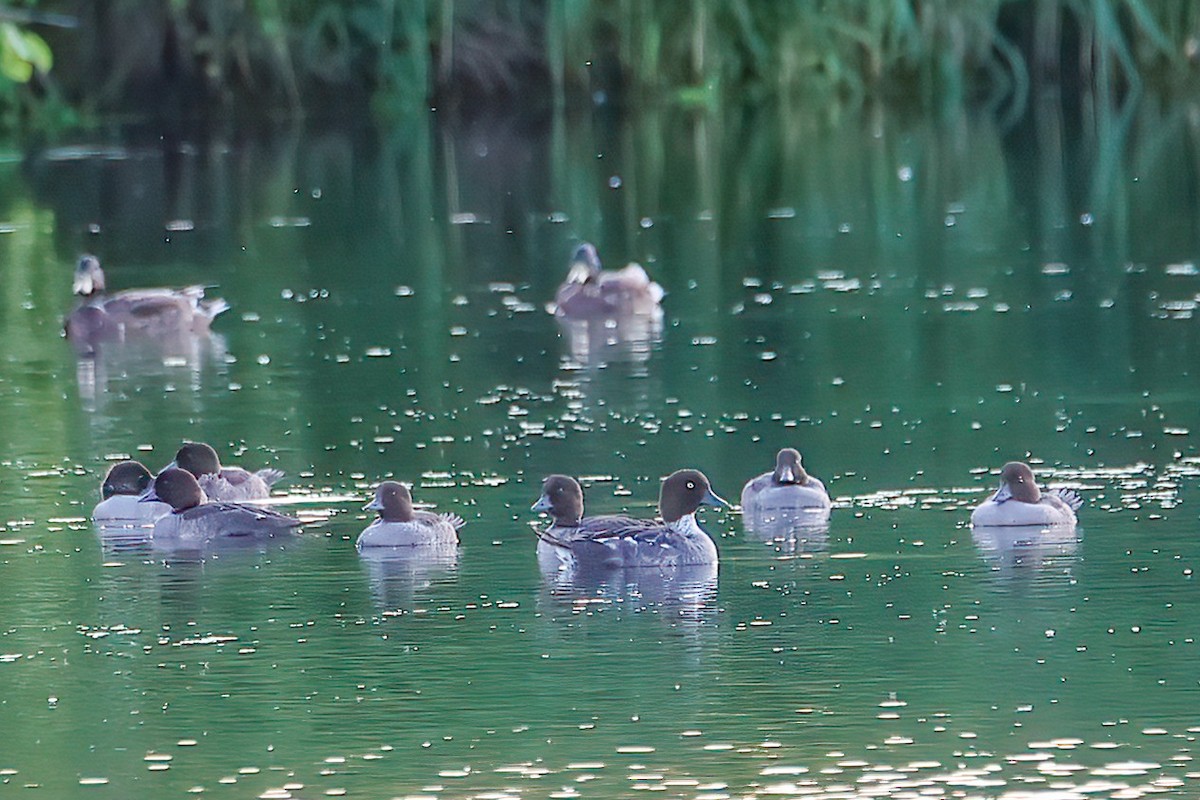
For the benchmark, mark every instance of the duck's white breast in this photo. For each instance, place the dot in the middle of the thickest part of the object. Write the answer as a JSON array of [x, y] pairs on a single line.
[[124, 508], [406, 534]]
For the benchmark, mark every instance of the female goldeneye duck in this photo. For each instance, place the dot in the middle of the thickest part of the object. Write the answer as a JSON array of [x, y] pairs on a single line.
[[399, 525], [125, 482], [1018, 501], [196, 521], [144, 312], [674, 540], [224, 483], [590, 292], [786, 492], [562, 501]]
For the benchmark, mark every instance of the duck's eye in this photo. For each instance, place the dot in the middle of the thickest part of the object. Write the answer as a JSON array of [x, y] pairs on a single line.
[[691, 485]]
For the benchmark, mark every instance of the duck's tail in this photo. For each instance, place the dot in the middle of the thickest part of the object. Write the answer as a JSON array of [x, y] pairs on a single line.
[[455, 520], [1070, 497], [213, 307], [270, 475]]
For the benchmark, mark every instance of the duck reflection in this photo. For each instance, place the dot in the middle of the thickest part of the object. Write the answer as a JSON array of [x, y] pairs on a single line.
[[178, 550], [124, 536], [685, 591], [181, 357], [791, 530], [1016, 547], [400, 576], [629, 338]]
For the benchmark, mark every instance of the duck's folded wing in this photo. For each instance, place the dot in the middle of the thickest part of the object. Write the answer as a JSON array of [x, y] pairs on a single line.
[[149, 304], [221, 486], [641, 543], [238, 519], [594, 529], [620, 527]]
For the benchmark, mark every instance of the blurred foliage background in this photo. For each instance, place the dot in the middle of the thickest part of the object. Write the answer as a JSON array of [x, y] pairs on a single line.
[[69, 61]]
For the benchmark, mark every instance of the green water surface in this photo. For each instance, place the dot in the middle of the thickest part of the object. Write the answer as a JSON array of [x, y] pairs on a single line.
[[910, 302]]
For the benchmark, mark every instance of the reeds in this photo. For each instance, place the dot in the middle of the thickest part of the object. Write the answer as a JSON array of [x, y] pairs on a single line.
[[305, 57]]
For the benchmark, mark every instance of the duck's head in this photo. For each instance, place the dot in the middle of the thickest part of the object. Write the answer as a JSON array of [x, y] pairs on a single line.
[[585, 264], [393, 502], [683, 492], [89, 278], [562, 499], [1017, 483], [197, 458], [175, 487], [126, 478], [788, 469]]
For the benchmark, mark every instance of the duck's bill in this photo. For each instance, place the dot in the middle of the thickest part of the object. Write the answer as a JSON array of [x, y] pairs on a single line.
[[149, 496], [714, 499], [1002, 494], [173, 465], [542, 504], [374, 505], [83, 283]]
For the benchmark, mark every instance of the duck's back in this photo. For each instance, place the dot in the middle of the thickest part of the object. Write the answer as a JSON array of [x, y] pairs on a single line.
[[764, 494], [624, 292], [643, 543], [235, 484], [1056, 507], [161, 310], [216, 520]]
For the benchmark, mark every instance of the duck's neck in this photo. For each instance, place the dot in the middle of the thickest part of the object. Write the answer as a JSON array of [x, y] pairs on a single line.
[[686, 526]]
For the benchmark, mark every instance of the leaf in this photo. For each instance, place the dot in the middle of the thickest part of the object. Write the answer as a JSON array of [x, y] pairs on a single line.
[[40, 55], [12, 65], [21, 52]]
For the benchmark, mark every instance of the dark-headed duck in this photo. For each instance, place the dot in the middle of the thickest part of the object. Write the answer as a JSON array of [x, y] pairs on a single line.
[[676, 539], [125, 482], [134, 312], [590, 292], [224, 483], [1020, 502], [399, 525], [786, 492], [195, 521]]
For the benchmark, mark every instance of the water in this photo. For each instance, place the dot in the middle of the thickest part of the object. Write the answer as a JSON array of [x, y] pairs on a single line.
[[909, 302]]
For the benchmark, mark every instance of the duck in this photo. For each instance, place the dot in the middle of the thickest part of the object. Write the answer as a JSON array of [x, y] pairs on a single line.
[[787, 492], [144, 312], [125, 482], [233, 484], [674, 540], [591, 292], [1019, 502], [194, 521], [398, 525], [562, 501]]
